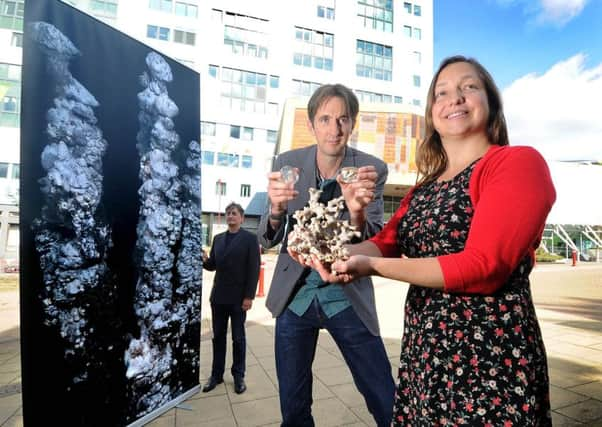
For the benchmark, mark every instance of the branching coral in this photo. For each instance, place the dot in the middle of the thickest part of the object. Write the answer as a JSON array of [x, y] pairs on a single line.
[[318, 230]]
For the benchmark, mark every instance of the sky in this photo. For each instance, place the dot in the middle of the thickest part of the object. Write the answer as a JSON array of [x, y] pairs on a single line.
[[546, 58]]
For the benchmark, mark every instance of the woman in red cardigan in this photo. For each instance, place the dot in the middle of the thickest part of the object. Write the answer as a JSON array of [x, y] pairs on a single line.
[[464, 238]]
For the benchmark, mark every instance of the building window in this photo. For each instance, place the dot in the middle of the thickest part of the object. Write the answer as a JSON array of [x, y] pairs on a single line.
[[233, 160], [408, 7], [11, 14], [208, 128], [10, 94], [162, 5], [104, 7], [246, 162], [313, 49], [10, 104], [247, 134], [245, 42], [216, 15], [274, 82], [156, 32], [416, 80], [417, 33], [222, 159], [272, 136], [376, 14], [185, 9], [407, 31], [234, 131], [272, 109], [416, 102], [245, 190], [17, 40], [3, 170], [213, 71], [417, 57], [398, 100], [245, 35], [208, 157], [243, 90], [374, 60], [325, 12], [417, 10], [16, 171], [220, 188], [365, 96], [304, 88], [184, 37]]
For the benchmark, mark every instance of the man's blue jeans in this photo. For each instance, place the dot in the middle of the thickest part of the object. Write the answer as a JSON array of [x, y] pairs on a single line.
[[296, 339]]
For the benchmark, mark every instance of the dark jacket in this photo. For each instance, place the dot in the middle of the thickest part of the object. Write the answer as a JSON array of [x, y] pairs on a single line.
[[236, 267]]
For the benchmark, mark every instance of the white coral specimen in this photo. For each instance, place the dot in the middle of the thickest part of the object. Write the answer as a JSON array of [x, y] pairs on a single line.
[[319, 232]]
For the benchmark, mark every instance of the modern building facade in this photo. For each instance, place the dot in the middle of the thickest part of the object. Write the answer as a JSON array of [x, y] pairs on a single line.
[[253, 56]]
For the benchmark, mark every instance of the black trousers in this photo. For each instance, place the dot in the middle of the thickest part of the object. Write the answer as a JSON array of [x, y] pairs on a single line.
[[220, 315]]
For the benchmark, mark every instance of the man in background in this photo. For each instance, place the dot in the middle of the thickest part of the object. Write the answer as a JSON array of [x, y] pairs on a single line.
[[236, 260]]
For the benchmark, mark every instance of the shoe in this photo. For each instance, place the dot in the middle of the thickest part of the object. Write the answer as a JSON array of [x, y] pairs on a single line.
[[239, 385], [211, 384]]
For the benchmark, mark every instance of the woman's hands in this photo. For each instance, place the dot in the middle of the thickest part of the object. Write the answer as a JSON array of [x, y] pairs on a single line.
[[340, 271]]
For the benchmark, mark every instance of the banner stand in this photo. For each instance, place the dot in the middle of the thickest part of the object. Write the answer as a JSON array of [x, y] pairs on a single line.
[[162, 409]]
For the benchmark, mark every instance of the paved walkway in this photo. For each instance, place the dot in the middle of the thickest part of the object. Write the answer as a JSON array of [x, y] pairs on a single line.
[[569, 306]]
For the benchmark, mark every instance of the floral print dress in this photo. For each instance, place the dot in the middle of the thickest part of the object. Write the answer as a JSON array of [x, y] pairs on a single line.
[[466, 359]]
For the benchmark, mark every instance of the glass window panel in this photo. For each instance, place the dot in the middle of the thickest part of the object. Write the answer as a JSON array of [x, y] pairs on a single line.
[[250, 78], [274, 82], [3, 170], [247, 134], [297, 58], [222, 159], [247, 163], [233, 160], [208, 157], [234, 131], [163, 33]]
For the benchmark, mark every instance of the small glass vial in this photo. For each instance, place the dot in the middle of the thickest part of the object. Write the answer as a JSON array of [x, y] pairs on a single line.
[[348, 174], [289, 174]]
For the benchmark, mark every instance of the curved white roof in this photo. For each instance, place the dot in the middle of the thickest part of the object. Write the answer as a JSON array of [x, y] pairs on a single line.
[[578, 193]]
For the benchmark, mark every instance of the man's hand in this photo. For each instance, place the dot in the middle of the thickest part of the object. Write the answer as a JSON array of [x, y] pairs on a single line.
[[359, 193], [204, 255], [247, 303], [279, 193]]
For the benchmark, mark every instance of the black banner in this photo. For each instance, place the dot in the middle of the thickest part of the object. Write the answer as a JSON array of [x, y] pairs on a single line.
[[110, 224]]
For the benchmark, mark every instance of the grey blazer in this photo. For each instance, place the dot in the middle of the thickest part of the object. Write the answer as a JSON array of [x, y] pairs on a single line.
[[287, 271]]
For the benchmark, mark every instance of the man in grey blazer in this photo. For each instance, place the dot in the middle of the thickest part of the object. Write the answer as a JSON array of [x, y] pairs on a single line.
[[235, 259], [298, 298]]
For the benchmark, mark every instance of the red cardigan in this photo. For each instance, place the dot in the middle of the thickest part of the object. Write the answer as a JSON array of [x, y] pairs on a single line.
[[512, 193]]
